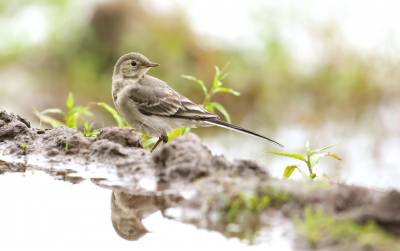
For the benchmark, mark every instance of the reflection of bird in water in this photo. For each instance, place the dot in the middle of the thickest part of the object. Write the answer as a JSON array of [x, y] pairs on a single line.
[[127, 212]]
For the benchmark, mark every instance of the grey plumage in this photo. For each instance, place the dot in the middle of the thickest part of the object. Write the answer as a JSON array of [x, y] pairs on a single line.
[[151, 106]]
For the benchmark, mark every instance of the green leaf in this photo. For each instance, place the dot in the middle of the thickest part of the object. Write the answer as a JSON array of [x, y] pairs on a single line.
[[326, 177], [333, 156], [201, 83], [223, 89], [95, 133], [291, 155], [314, 159], [71, 122], [87, 128], [288, 171], [222, 110], [87, 131], [39, 115], [303, 173], [209, 107], [149, 142], [53, 110], [217, 71], [324, 148], [187, 130], [70, 101], [224, 76], [50, 120], [78, 110], [175, 133], [308, 148], [216, 83], [113, 112]]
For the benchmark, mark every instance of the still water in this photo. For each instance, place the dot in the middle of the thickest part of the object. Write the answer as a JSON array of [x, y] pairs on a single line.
[[40, 213]]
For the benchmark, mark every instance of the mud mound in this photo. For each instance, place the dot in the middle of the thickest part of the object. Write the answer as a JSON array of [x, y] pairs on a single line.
[[126, 137]]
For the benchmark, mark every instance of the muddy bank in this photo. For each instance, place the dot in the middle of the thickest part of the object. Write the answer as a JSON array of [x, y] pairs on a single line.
[[189, 184]]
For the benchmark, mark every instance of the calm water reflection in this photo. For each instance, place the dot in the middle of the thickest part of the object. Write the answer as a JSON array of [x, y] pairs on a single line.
[[39, 212]]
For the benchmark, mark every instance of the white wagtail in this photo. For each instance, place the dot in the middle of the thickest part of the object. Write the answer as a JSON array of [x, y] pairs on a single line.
[[155, 109]]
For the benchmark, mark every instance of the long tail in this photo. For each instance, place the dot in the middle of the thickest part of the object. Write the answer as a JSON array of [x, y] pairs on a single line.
[[224, 124]]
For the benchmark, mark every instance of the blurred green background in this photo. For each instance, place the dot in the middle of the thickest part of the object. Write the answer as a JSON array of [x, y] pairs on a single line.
[[299, 77]]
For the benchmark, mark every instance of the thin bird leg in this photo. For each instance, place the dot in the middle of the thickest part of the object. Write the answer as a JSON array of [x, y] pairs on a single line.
[[156, 144], [164, 139]]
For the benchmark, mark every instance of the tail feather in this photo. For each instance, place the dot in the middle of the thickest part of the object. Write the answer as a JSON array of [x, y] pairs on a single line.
[[224, 124]]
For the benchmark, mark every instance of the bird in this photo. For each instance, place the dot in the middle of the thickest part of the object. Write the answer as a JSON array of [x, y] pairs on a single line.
[[149, 105]]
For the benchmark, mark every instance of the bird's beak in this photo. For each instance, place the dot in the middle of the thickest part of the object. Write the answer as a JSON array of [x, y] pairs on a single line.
[[150, 64]]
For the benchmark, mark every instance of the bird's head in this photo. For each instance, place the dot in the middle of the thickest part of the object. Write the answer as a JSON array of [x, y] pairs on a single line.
[[132, 65]]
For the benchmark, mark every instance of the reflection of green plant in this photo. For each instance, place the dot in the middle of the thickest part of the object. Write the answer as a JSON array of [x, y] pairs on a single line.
[[70, 118], [317, 226], [207, 104], [311, 161], [245, 209]]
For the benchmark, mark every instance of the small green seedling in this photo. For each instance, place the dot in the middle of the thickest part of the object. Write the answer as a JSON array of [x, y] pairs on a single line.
[[24, 145], [311, 160], [70, 118], [87, 130], [66, 143]]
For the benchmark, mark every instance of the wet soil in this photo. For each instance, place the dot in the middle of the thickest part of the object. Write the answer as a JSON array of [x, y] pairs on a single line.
[[185, 181]]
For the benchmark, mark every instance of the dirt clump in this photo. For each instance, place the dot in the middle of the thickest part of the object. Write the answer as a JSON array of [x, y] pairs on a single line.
[[126, 137]]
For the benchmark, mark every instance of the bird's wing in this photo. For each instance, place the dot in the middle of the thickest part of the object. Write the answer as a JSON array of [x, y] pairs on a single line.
[[154, 97]]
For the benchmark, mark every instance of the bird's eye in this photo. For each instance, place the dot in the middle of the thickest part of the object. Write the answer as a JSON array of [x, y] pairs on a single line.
[[133, 63]]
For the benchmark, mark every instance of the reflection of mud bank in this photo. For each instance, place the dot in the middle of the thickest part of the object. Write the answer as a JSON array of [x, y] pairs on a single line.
[[188, 184]]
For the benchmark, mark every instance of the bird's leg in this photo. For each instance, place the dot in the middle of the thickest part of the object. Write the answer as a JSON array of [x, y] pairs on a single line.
[[156, 144], [164, 138]]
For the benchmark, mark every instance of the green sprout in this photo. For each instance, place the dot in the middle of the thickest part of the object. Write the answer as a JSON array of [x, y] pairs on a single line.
[[87, 130], [70, 118], [66, 143], [24, 145], [311, 160]]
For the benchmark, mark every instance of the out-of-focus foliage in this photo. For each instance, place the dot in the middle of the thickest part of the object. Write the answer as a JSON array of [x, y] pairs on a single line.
[[71, 117], [79, 42], [114, 113]]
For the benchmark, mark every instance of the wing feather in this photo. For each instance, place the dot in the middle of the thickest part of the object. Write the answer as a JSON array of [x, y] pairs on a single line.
[[154, 97]]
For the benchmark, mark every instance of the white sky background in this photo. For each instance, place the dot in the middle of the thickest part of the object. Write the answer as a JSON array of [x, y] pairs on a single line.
[[366, 25], [369, 26]]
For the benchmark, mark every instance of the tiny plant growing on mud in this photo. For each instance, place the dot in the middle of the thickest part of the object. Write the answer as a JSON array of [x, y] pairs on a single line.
[[66, 143], [311, 160], [24, 145], [70, 118]]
